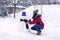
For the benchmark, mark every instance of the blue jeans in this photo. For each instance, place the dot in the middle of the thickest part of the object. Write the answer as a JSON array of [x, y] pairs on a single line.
[[37, 27]]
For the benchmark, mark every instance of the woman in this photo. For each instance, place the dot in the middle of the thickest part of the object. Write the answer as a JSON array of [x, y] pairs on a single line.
[[37, 21]]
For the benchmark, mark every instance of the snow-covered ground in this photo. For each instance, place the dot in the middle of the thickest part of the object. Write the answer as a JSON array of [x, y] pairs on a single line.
[[13, 29]]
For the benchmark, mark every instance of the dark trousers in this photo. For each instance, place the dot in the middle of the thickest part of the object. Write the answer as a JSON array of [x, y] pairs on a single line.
[[37, 27]]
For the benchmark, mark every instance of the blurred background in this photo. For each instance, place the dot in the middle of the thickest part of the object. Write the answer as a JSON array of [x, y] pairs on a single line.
[[8, 7]]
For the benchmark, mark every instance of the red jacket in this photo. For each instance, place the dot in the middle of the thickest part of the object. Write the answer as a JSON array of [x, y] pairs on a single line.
[[36, 21]]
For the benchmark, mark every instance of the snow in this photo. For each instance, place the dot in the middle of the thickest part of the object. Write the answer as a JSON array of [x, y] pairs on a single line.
[[12, 29]]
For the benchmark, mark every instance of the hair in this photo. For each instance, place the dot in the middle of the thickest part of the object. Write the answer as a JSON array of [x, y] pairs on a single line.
[[35, 13]]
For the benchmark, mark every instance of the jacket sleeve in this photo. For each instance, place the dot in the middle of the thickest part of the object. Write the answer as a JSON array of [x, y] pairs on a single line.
[[36, 21], [31, 22]]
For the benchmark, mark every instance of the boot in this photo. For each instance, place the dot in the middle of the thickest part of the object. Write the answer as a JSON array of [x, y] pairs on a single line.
[[38, 33]]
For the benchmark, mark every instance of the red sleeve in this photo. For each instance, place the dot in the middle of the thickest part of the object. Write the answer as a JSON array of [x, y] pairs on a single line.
[[31, 22], [36, 21]]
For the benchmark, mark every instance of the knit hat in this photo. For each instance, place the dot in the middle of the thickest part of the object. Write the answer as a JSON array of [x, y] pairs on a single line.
[[35, 11]]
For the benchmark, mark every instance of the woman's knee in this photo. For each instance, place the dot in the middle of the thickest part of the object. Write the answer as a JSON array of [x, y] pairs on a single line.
[[32, 28]]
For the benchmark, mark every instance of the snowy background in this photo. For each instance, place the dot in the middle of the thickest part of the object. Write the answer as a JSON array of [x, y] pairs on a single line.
[[12, 29]]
